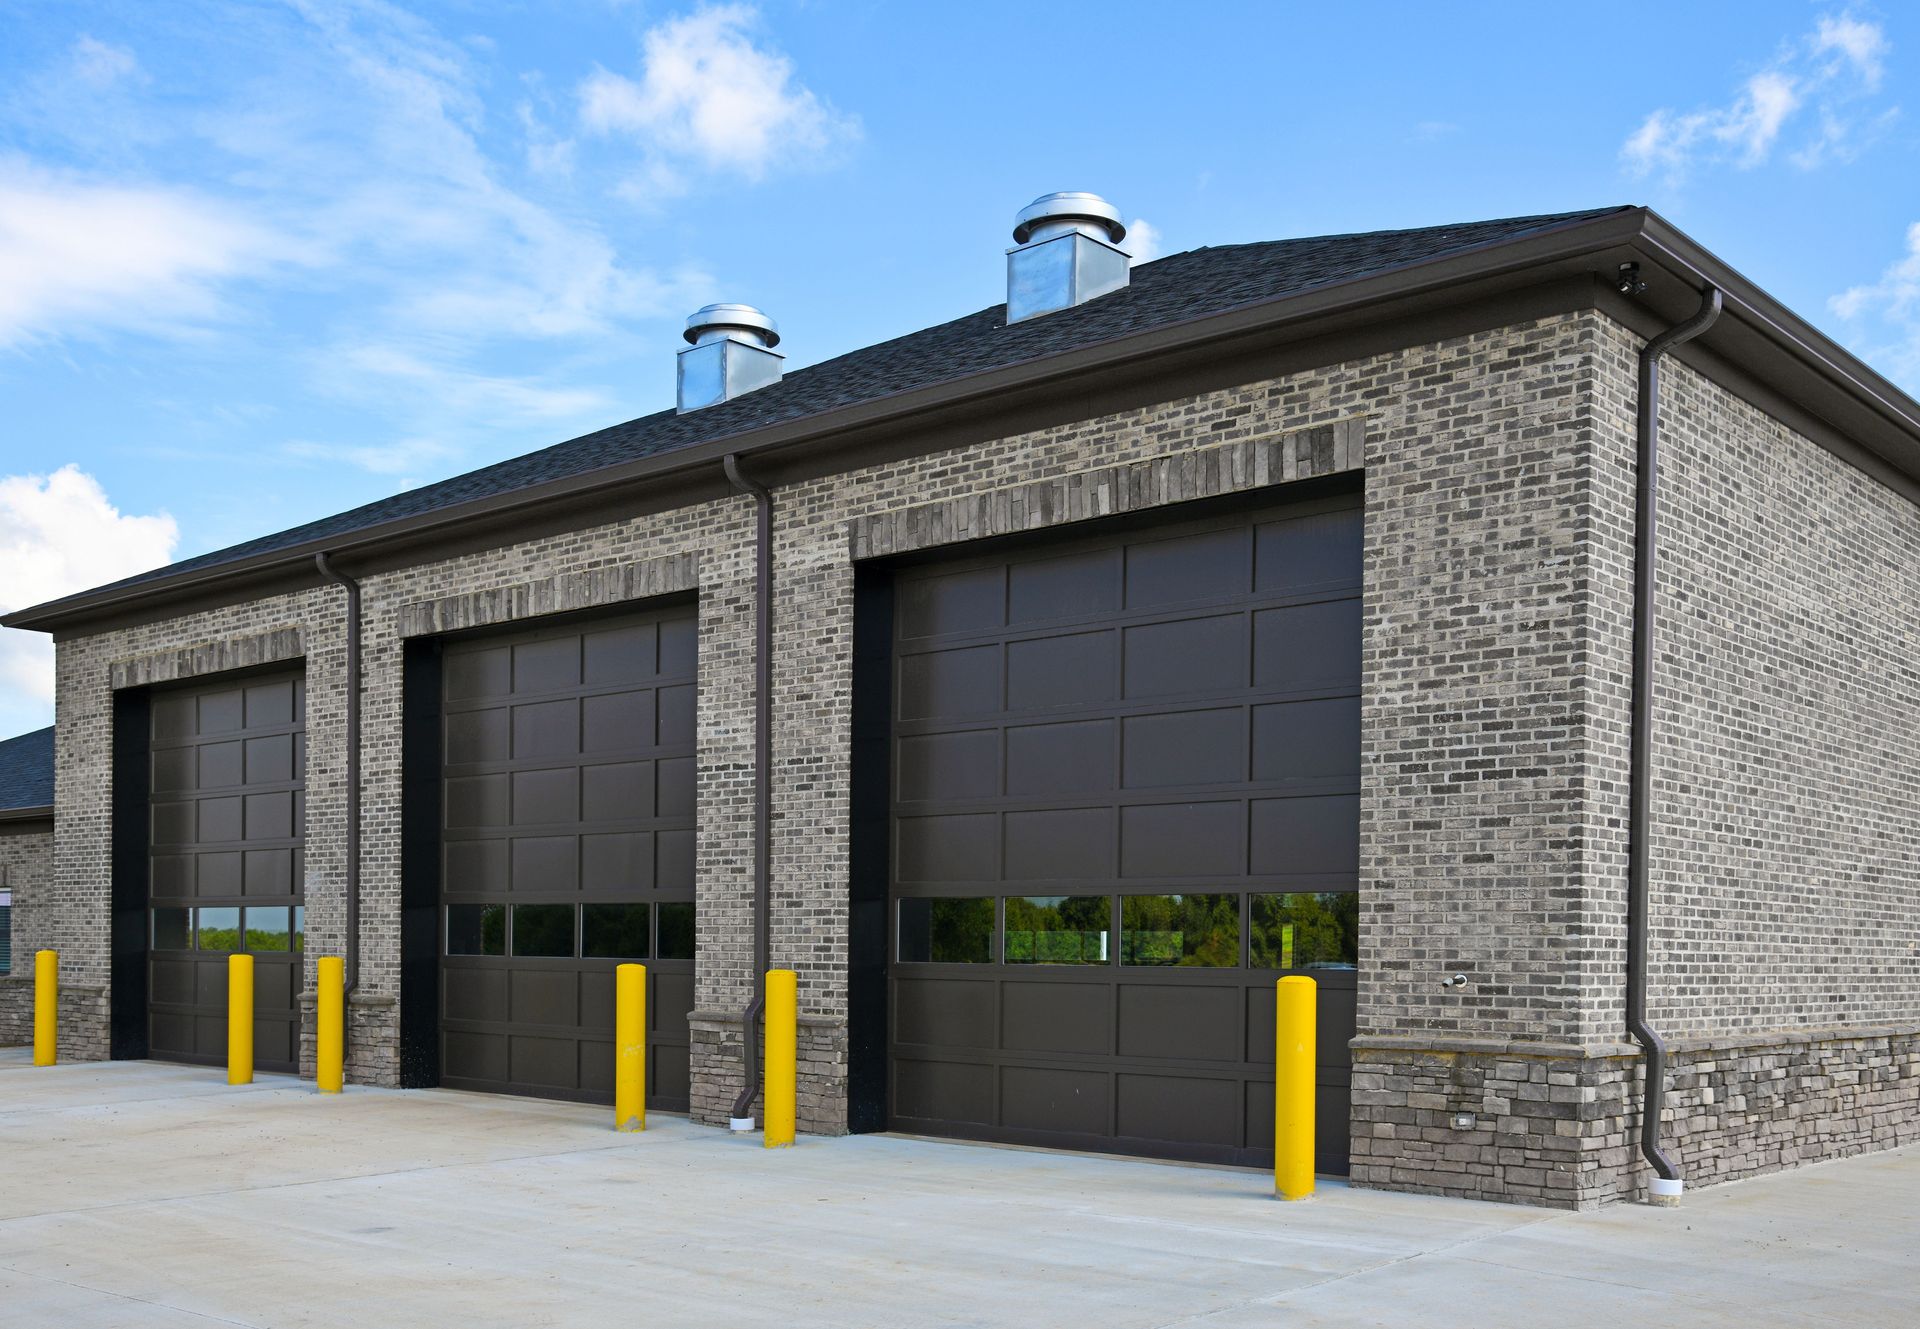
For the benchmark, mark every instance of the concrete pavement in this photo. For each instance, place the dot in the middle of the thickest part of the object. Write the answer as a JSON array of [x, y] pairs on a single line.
[[136, 1193]]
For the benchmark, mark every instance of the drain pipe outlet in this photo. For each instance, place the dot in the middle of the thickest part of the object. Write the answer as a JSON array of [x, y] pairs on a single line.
[[742, 1118], [1667, 1184], [328, 571]]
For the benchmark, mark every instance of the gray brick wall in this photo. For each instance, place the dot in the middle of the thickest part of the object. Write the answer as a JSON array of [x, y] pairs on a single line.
[[26, 867]]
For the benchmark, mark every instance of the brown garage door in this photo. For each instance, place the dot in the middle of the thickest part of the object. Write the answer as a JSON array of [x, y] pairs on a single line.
[[567, 847], [1125, 801], [228, 812]]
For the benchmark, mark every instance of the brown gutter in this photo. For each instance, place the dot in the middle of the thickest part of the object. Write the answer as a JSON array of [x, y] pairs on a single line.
[[1823, 368], [44, 813]]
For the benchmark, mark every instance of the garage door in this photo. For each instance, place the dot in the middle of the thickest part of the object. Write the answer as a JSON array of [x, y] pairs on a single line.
[[567, 847], [1125, 801], [228, 812]]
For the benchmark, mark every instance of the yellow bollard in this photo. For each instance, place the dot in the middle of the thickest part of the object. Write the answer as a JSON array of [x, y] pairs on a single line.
[[330, 1024], [630, 1047], [239, 1019], [46, 1007], [783, 1052], [1293, 1087]]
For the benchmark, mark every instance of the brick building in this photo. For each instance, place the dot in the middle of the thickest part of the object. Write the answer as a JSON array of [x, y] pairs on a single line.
[[1267, 608], [26, 865]]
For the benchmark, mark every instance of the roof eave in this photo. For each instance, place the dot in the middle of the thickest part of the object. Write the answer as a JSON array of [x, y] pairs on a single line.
[[1638, 229]]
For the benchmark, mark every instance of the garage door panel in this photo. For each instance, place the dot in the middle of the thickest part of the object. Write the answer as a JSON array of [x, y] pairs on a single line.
[[268, 760], [1070, 586], [273, 984], [222, 765], [1056, 1017], [173, 981], [536, 996], [617, 861], [1059, 844], [476, 993], [1064, 758], [1181, 713], [1183, 839], [676, 713], [956, 848], [1308, 553], [1186, 656], [672, 1002], [1206, 565], [950, 685], [1307, 646], [218, 875], [1166, 1022], [949, 766], [469, 1055], [955, 602], [1192, 747], [478, 736], [590, 804], [617, 722], [546, 729], [541, 1062], [669, 1073], [267, 872], [543, 798], [1055, 1100], [1292, 835], [944, 1012], [621, 655], [1181, 1109], [472, 867], [673, 861], [950, 1091], [1071, 670], [273, 1041], [546, 664]]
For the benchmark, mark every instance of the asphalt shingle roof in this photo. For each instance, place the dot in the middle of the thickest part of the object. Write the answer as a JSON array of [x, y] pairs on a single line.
[[1169, 290], [26, 770]]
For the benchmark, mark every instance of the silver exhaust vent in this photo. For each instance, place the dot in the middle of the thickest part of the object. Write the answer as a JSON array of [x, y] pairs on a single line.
[[1066, 252], [731, 353]]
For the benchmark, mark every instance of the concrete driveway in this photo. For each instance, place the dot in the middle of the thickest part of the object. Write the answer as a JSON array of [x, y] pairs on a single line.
[[137, 1193]]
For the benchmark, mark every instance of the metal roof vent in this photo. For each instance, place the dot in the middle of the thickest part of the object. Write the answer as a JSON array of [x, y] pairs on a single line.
[[1067, 252], [731, 353]]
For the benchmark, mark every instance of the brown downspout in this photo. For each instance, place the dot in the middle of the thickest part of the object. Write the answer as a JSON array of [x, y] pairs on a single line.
[[1667, 1185], [328, 571], [742, 1119]]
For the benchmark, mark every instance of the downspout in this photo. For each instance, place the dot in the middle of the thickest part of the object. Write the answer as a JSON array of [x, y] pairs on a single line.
[[328, 571], [1667, 1185], [742, 1119]]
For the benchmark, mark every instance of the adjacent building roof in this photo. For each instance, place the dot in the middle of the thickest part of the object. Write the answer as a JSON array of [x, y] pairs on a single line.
[[26, 772]]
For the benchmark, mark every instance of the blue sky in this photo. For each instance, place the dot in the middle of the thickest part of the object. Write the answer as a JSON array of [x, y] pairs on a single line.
[[261, 262]]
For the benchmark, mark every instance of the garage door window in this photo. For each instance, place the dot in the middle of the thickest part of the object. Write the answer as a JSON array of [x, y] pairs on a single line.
[[476, 929], [1058, 929], [218, 929], [947, 931], [267, 930], [1180, 930], [1306, 931], [614, 932], [675, 941], [172, 930], [543, 930]]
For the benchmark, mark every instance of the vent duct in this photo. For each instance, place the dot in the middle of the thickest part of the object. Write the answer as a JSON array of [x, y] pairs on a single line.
[[731, 353], [1066, 253]]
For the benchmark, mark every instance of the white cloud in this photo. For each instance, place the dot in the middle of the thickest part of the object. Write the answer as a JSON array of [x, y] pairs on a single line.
[[710, 97], [1861, 44], [59, 534], [1885, 315], [1144, 240], [1829, 72], [79, 255], [101, 65]]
